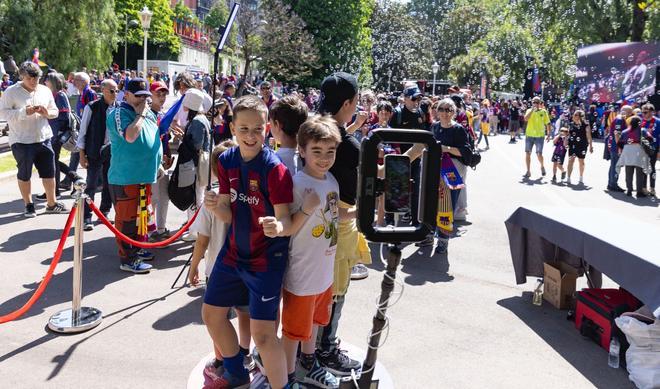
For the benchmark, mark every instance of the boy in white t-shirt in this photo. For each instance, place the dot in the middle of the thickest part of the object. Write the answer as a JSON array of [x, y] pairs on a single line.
[[211, 234], [286, 115], [307, 294]]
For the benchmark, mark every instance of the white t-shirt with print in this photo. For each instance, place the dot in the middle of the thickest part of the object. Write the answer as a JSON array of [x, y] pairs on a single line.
[[290, 159], [312, 249], [208, 225]]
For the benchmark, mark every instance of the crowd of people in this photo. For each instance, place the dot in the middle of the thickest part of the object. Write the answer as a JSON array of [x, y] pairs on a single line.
[[280, 221]]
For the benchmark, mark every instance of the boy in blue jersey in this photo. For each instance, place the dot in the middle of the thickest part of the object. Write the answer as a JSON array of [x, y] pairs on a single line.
[[255, 190]]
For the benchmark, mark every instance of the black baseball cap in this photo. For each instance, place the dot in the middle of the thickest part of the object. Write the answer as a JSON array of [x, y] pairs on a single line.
[[335, 90], [138, 87], [412, 91]]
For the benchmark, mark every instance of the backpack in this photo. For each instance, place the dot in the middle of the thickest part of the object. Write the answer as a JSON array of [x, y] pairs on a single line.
[[69, 138], [181, 187], [473, 157]]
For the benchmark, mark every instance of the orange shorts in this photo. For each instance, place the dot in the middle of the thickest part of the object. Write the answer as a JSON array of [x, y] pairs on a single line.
[[300, 313]]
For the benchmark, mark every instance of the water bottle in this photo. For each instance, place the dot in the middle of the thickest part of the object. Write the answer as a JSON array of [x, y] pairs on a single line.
[[613, 359], [538, 293]]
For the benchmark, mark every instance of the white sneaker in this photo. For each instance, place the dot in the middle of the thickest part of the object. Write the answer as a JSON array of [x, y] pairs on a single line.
[[189, 237]]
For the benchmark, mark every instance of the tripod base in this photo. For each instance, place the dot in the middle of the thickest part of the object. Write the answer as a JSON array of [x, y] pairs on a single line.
[[63, 322], [381, 378]]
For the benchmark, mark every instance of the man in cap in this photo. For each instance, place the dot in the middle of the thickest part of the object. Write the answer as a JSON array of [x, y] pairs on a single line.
[[538, 128], [94, 146], [160, 197], [410, 117], [136, 153]]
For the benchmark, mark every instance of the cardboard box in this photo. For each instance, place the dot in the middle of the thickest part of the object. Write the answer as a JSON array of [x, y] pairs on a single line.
[[559, 284]]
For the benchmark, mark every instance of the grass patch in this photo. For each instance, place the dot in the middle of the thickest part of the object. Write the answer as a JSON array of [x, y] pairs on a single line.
[[8, 163]]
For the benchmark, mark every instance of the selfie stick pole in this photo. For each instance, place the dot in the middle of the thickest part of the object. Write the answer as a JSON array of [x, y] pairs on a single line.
[[223, 31]]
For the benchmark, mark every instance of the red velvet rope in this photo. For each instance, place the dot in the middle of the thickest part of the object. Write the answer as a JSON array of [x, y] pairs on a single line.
[[144, 245], [44, 283]]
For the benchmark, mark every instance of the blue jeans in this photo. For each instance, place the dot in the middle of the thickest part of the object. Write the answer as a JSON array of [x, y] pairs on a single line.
[[613, 176], [97, 168], [327, 339]]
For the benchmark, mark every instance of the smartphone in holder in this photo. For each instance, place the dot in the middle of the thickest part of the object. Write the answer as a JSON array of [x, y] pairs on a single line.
[[397, 183]]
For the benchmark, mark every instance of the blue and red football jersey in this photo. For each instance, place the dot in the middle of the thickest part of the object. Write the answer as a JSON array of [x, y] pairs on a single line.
[[254, 187]]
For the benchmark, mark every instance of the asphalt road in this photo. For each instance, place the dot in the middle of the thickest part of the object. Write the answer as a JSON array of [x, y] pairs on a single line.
[[461, 321]]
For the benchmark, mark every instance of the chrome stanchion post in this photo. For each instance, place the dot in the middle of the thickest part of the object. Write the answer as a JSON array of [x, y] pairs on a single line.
[[78, 318]]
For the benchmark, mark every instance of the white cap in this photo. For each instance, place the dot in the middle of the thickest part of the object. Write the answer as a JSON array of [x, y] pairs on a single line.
[[194, 100]]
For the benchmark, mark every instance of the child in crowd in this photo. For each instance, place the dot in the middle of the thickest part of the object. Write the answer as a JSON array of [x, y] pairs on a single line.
[[255, 192], [561, 143], [211, 234], [286, 116], [385, 112], [339, 98], [307, 291]]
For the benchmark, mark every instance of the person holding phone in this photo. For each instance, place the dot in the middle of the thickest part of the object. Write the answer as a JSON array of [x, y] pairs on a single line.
[[27, 106]]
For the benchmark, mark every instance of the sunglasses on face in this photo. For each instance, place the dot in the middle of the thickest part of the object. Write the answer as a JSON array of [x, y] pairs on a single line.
[[113, 91], [646, 111], [445, 110]]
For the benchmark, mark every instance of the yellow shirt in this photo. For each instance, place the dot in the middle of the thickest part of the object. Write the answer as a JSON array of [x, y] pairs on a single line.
[[470, 117], [536, 123]]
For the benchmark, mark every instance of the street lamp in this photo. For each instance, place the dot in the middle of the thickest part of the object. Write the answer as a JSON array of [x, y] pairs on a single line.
[[389, 79], [145, 19], [435, 68], [132, 23]]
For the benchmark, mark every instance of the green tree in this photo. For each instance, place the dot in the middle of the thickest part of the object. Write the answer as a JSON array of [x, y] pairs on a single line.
[[400, 45], [161, 31], [341, 34], [16, 17], [55, 28], [287, 51]]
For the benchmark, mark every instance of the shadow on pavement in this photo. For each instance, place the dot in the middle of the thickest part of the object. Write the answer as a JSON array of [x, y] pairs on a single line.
[[100, 268], [421, 268], [551, 325], [643, 202], [191, 313], [530, 182], [23, 240], [13, 211]]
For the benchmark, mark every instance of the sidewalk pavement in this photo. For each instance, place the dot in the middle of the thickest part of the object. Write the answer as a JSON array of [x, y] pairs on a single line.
[[462, 322]]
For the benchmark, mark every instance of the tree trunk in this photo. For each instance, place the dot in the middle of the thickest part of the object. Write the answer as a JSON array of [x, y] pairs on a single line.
[[638, 22]]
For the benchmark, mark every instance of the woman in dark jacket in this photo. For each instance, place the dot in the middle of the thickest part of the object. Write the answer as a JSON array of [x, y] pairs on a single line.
[[60, 126]]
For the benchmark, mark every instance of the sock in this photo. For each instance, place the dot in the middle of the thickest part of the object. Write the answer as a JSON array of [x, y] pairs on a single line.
[[217, 363], [244, 351], [234, 366], [306, 360]]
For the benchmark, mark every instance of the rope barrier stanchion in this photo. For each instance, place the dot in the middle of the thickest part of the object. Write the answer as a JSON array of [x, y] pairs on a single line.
[[78, 318], [49, 274], [144, 245]]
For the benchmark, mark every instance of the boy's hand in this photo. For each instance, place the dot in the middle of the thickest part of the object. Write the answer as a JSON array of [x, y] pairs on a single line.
[[193, 276], [362, 117], [211, 200], [311, 200], [272, 227]]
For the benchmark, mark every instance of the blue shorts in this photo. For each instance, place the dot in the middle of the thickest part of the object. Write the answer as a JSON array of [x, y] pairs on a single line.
[[261, 291], [531, 141], [39, 155]]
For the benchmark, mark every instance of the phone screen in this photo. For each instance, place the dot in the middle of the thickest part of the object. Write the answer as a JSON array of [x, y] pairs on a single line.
[[397, 183]]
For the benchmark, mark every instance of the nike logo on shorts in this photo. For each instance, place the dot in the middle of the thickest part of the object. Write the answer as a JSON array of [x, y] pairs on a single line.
[[264, 299]]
